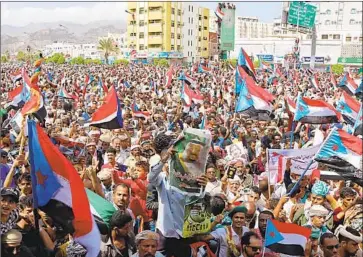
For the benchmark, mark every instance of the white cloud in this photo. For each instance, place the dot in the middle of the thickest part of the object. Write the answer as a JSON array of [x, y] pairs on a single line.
[[22, 16]]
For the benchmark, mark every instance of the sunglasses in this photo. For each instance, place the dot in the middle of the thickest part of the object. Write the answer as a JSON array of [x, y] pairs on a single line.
[[331, 247], [254, 249]]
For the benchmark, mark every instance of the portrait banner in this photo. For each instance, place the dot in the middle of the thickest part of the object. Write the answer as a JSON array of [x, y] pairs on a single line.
[[197, 218], [237, 152], [190, 160]]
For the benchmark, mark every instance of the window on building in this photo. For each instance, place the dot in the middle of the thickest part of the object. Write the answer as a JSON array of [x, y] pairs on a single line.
[[328, 11], [336, 36], [172, 35], [205, 17], [179, 12], [172, 11], [178, 48], [132, 34], [141, 10], [192, 20], [199, 39], [200, 17], [189, 8], [192, 8], [360, 39], [141, 23], [353, 11], [348, 39], [172, 47], [205, 28], [327, 22], [132, 22], [324, 36], [191, 43], [142, 47], [178, 36], [340, 22], [172, 24], [141, 35], [204, 49], [352, 21], [188, 43], [199, 49], [200, 28]]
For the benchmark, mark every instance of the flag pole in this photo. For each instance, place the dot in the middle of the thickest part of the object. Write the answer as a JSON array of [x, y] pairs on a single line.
[[263, 251], [292, 133]]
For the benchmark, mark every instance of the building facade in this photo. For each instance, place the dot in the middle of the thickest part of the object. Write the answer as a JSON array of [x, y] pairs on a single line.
[[189, 31], [251, 27], [120, 42], [154, 26], [87, 51]]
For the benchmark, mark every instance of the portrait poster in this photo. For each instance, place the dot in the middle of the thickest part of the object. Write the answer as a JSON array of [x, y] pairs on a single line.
[[189, 160], [237, 152], [197, 218]]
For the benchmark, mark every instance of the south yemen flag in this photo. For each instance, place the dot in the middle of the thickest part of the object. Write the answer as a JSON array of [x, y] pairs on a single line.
[[59, 191], [286, 238]]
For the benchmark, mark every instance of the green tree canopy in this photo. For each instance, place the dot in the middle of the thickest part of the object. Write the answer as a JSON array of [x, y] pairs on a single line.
[[21, 56], [337, 69]]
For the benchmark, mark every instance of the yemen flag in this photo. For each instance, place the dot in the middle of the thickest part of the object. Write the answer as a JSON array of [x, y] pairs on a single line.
[[342, 152], [139, 114], [109, 115], [286, 238], [59, 191], [348, 107], [348, 84], [101, 209], [315, 111]]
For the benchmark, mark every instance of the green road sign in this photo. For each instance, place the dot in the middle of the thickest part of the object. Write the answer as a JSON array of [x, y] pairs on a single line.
[[301, 14]]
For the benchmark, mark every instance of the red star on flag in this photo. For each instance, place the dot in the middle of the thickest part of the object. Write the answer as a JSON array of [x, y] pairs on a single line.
[[41, 178], [335, 147]]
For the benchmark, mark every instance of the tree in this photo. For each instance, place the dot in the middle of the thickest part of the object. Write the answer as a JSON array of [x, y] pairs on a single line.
[[57, 58], [4, 59], [121, 61], [256, 63], [92, 61], [108, 47], [21, 56], [161, 62], [61, 60], [337, 69], [78, 60]]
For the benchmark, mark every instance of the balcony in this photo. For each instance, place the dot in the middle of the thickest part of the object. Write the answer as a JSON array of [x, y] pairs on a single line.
[[155, 4], [154, 49], [155, 15], [155, 40], [131, 5], [155, 27]]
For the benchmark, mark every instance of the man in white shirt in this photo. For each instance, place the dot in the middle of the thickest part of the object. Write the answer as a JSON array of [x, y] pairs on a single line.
[[214, 185]]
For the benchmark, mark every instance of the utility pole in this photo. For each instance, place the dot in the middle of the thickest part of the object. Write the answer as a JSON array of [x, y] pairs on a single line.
[[313, 48]]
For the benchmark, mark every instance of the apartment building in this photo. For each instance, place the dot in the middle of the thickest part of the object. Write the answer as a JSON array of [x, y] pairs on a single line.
[[154, 26], [87, 51], [251, 27]]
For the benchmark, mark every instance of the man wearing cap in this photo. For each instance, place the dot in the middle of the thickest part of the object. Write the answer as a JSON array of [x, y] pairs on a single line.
[[317, 219], [349, 240], [229, 237], [9, 213], [134, 157], [146, 244], [93, 155], [11, 245], [121, 144]]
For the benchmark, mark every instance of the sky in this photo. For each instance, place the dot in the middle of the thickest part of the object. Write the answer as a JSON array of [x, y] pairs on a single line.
[[24, 13]]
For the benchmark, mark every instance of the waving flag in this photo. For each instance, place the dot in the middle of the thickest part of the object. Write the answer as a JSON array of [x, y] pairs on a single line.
[[315, 111], [19, 96], [239, 80], [286, 238], [88, 80], [169, 77], [35, 77], [342, 152], [315, 82], [348, 84], [219, 13], [64, 94], [190, 81], [109, 115], [290, 105], [333, 80], [15, 76], [245, 62], [204, 69], [357, 128], [348, 107], [137, 113], [102, 85], [253, 100], [266, 65], [359, 90], [59, 191]]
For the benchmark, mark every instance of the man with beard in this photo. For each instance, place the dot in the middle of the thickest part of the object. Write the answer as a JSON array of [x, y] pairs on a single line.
[[121, 197], [147, 243], [349, 240], [11, 245], [251, 245], [39, 243]]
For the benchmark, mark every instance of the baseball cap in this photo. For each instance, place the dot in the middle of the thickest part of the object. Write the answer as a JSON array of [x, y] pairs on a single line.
[[3, 153], [7, 191]]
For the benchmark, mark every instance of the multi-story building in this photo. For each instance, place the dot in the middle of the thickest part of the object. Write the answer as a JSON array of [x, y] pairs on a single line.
[[189, 31], [251, 27], [87, 51], [155, 26], [203, 33]]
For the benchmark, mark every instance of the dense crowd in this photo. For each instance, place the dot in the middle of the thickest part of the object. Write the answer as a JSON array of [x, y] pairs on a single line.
[[128, 167]]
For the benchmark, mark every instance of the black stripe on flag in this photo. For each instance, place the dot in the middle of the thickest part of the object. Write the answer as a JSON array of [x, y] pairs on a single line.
[[294, 250]]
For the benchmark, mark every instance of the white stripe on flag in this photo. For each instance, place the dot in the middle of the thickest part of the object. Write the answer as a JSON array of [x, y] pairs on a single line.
[[293, 239]]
